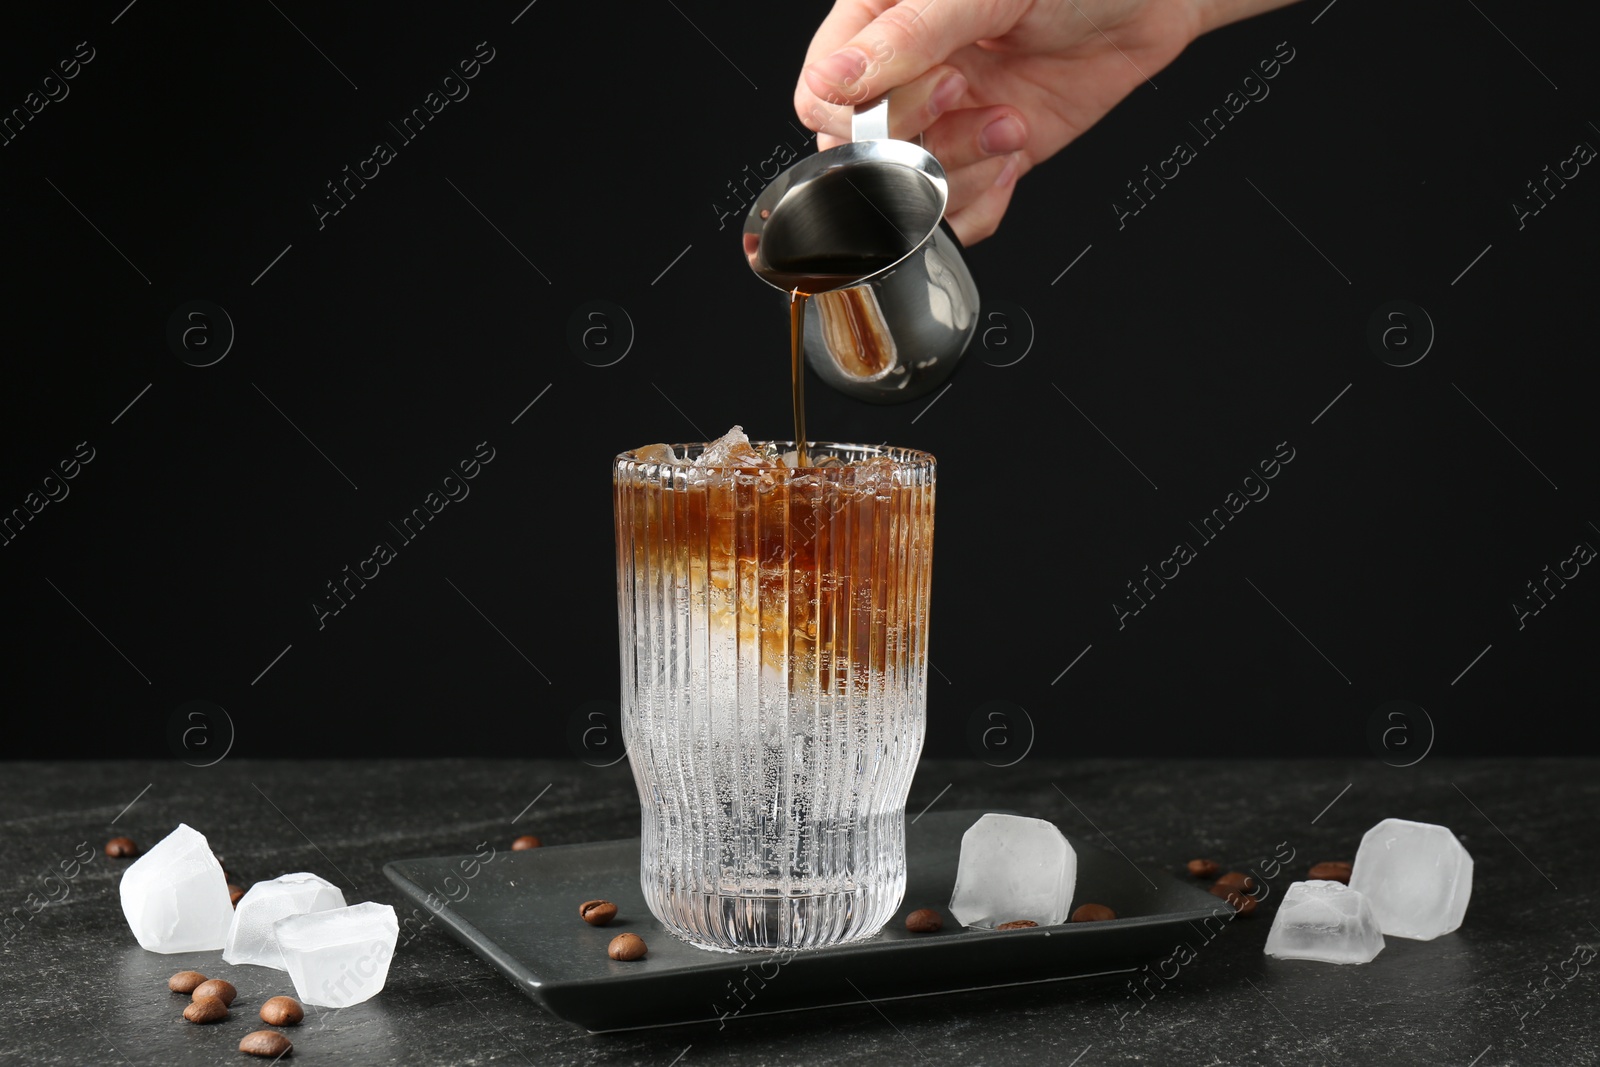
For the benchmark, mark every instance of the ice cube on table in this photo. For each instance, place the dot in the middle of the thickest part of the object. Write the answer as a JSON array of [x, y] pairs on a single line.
[[1325, 921], [175, 896], [1012, 868], [340, 956], [1416, 876], [250, 938]]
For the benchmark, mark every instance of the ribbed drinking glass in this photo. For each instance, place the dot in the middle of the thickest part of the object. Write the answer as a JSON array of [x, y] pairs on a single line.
[[774, 637]]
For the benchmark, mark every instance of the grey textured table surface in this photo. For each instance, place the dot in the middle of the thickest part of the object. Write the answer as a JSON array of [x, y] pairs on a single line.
[[1516, 984]]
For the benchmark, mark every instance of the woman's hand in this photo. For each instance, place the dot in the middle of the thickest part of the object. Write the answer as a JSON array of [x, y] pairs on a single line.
[[994, 86]]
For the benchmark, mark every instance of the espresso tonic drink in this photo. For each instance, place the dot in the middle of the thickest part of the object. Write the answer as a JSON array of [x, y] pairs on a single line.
[[774, 636]]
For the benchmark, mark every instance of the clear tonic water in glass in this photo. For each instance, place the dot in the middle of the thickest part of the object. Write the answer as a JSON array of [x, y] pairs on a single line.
[[774, 629]]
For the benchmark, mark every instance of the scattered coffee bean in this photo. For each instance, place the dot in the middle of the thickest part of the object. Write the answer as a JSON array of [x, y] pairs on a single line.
[[597, 912], [1238, 880], [1017, 924], [1331, 871], [1204, 868], [282, 1011], [185, 981], [121, 848], [626, 947], [525, 842], [206, 1010], [1242, 902], [1092, 913], [924, 921], [216, 987], [234, 893], [266, 1043]]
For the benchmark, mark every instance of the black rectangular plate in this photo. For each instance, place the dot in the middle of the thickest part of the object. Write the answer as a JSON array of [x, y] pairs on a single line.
[[520, 913]]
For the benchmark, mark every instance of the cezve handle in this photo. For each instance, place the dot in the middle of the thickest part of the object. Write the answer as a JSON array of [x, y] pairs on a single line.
[[870, 121]]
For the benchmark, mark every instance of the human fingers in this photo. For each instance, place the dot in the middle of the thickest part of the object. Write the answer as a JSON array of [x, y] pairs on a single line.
[[969, 183], [981, 217], [844, 20], [914, 107], [970, 135], [902, 43]]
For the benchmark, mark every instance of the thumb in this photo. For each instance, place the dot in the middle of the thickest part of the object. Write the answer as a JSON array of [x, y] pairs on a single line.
[[902, 43]]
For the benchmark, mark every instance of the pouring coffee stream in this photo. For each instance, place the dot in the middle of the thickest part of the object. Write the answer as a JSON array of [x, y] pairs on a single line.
[[824, 276], [797, 372], [856, 237]]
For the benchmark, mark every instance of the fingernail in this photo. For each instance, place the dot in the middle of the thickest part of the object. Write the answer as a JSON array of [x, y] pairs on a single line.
[[843, 67], [947, 93], [1008, 173], [1003, 135]]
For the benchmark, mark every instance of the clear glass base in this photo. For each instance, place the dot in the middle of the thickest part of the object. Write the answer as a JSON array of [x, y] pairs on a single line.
[[765, 922]]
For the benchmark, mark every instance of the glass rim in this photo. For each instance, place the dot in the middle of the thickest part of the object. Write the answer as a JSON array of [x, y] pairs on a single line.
[[903, 458]]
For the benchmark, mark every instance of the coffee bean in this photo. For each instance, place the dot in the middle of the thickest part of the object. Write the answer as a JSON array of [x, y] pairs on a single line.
[[1242, 902], [282, 1011], [525, 842], [216, 987], [1092, 913], [185, 981], [1017, 924], [234, 893], [626, 947], [121, 848], [206, 1010], [1331, 871], [597, 912], [924, 921], [1238, 880], [1204, 868], [266, 1043]]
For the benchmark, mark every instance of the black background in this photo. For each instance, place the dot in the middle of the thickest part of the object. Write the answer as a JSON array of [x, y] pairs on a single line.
[[1199, 336]]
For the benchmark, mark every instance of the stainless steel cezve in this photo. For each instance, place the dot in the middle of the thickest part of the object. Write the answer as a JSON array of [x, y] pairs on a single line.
[[861, 228]]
